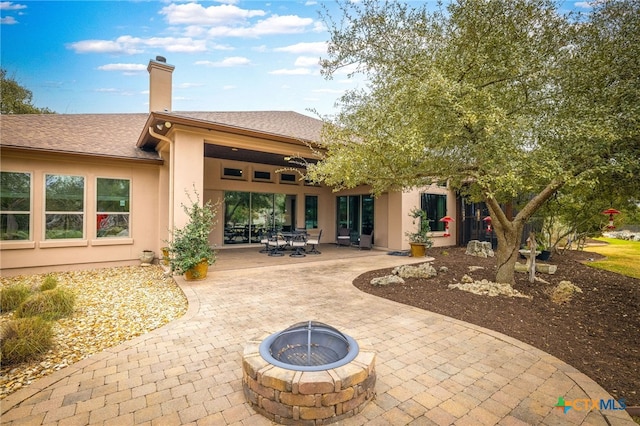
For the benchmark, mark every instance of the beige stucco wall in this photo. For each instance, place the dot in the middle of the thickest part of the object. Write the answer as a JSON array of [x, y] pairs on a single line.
[[215, 185], [40, 254], [404, 223]]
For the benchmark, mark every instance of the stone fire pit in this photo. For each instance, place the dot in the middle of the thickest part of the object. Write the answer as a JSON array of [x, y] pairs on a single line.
[[308, 374]]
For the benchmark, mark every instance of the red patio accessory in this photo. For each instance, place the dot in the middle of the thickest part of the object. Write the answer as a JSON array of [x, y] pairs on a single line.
[[446, 221], [611, 213]]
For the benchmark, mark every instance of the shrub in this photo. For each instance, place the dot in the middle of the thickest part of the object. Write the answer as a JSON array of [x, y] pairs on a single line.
[[24, 338], [11, 297], [49, 283], [49, 305]]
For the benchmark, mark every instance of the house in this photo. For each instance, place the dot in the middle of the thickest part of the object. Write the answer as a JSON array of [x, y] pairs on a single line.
[[98, 189]]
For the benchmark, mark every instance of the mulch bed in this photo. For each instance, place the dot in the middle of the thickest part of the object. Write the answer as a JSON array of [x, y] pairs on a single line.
[[597, 331]]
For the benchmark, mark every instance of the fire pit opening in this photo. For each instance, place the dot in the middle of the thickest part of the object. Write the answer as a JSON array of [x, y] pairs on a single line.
[[309, 374], [309, 346]]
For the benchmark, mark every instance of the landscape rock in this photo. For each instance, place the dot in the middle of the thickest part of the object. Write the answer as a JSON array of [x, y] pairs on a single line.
[[424, 270], [387, 280], [479, 249], [564, 291], [488, 288]]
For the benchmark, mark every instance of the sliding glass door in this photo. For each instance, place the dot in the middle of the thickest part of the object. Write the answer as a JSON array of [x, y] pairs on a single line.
[[355, 212], [247, 215]]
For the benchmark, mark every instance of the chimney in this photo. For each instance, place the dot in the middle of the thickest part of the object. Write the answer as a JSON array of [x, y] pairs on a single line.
[[159, 84]]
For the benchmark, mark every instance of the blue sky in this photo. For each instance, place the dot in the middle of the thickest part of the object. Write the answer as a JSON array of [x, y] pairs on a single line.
[[91, 56], [230, 55]]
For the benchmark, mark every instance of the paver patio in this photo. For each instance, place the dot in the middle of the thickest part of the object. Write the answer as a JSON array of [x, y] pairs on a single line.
[[431, 370]]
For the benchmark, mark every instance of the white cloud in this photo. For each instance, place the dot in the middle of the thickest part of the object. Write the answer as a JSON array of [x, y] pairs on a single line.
[[306, 61], [128, 45], [229, 87], [289, 24], [8, 20], [102, 46], [196, 14], [122, 67], [584, 4], [295, 71], [233, 61], [9, 5], [319, 48]]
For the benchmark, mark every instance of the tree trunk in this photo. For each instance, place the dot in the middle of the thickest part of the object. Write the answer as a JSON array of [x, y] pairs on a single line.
[[507, 251], [509, 231]]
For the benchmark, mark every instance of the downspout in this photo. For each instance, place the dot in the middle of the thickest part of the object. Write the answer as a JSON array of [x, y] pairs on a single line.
[[171, 169]]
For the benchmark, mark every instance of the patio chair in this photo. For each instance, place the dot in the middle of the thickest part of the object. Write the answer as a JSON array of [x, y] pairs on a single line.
[[264, 239], [313, 241], [276, 245], [298, 242], [344, 237], [366, 241]]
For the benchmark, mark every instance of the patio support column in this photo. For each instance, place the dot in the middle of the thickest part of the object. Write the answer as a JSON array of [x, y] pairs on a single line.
[[187, 173]]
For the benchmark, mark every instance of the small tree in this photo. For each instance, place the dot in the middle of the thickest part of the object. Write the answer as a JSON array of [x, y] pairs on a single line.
[[422, 235], [190, 244]]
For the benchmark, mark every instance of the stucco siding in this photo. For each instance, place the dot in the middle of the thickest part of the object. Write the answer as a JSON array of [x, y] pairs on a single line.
[[41, 252]]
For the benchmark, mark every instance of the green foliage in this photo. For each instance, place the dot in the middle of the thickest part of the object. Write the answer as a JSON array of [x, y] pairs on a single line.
[[502, 98], [423, 230], [25, 338], [17, 99], [49, 283], [190, 244], [11, 297], [49, 305]]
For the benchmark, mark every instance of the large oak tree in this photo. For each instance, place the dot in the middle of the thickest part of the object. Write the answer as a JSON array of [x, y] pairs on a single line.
[[497, 96]]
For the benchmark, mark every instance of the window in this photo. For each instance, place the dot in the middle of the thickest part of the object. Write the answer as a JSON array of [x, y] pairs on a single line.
[[232, 173], [288, 178], [436, 207], [258, 175], [15, 206], [112, 208], [64, 206], [311, 211]]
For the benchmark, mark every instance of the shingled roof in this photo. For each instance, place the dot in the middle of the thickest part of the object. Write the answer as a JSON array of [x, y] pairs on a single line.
[[103, 135], [115, 135], [280, 123]]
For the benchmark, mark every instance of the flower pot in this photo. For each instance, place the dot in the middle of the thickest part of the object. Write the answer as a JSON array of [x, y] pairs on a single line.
[[544, 255], [198, 272], [146, 257], [418, 249], [165, 255]]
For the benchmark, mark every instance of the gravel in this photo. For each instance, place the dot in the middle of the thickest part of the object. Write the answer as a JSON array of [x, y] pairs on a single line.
[[113, 305]]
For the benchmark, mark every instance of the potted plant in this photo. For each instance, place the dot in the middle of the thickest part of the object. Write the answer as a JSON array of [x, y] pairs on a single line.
[[421, 239], [189, 250]]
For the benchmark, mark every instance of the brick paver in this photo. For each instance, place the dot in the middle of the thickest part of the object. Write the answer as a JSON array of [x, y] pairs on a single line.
[[432, 370]]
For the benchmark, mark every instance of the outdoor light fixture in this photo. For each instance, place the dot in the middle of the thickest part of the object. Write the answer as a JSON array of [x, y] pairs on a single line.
[[446, 221], [611, 213], [161, 126], [487, 220]]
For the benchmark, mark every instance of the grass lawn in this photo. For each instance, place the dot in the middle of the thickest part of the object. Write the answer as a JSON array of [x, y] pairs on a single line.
[[623, 257]]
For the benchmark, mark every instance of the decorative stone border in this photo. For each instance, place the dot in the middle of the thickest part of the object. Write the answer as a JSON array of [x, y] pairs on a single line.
[[307, 398]]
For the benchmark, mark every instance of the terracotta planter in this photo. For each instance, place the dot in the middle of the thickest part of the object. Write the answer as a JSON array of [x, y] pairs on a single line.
[[418, 249], [165, 255], [198, 272]]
